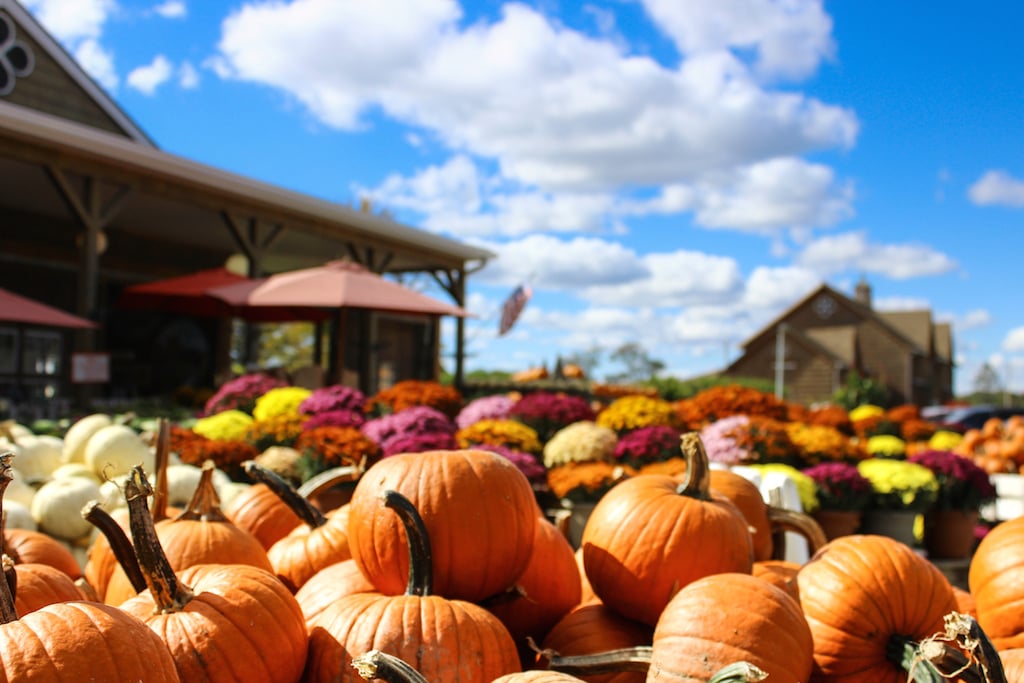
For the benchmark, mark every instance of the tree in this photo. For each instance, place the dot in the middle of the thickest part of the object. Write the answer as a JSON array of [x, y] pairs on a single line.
[[638, 366], [987, 380]]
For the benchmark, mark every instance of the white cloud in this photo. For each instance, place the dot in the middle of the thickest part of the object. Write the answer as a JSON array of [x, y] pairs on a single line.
[[188, 76], [146, 79], [997, 188], [172, 9], [72, 20], [852, 251], [97, 62], [972, 320], [1014, 341], [789, 37], [550, 263], [770, 290], [679, 278], [610, 118]]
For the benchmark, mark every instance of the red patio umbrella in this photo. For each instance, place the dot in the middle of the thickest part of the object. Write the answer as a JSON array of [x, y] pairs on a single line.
[[336, 284], [19, 309], [187, 294]]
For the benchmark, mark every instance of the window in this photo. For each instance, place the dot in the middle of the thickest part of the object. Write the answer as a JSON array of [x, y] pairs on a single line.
[[42, 353], [8, 350]]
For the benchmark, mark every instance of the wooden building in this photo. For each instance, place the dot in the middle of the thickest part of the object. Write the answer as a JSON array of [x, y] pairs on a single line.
[[827, 335], [89, 204]]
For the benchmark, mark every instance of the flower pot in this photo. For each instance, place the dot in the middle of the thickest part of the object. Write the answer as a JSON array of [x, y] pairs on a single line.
[[836, 523], [949, 534], [580, 513], [896, 524]]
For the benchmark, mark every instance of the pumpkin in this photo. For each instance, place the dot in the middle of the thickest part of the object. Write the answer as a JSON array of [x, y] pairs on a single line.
[[110, 550], [650, 535], [746, 496], [19, 517], [26, 546], [544, 592], [330, 583], [81, 639], [75, 469], [731, 617], [19, 491], [57, 504], [39, 585], [996, 580], [593, 628], [480, 512], [183, 480], [262, 513], [779, 573], [200, 534], [865, 597], [79, 433], [1013, 664], [113, 450], [220, 622], [447, 640], [965, 602], [316, 543], [586, 590]]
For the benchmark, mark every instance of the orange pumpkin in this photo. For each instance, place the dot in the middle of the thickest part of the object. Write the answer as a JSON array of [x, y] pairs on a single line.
[[330, 583], [594, 628], [30, 547], [220, 622], [480, 512], [726, 618], [649, 536], [1013, 664], [781, 574], [745, 495], [445, 640], [261, 512], [544, 592], [862, 595], [40, 585], [996, 580]]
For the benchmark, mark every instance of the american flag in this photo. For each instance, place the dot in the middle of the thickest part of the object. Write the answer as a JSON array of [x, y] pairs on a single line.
[[512, 307]]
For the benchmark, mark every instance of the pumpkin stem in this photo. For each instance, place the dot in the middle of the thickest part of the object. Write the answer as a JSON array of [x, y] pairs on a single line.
[[377, 665], [330, 478], [782, 520], [905, 653], [169, 594], [7, 611], [158, 506], [740, 672], [10, 574], [421, 571], [309, 515], [609, 662], [205, 503], [963, 652], [119, 542], [697, 480]]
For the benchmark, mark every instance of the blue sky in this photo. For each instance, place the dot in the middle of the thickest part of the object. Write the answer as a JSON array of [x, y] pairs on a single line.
[[668, 172]]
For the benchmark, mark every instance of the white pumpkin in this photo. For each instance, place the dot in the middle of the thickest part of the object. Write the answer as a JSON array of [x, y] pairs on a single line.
[[112, 493], [115, 449], [38, 456], [18, 516], [57, 506], [182, 481], [75, 469], [18, 490], [79, 433], [17, 430]]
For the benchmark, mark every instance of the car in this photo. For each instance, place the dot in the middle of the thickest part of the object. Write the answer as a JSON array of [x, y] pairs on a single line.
[[974, 417]]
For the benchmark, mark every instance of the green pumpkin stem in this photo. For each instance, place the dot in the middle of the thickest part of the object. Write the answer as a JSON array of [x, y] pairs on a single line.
[[636, 659], [7, 611], [169, 594], [376, 665], [205, 503], [697, 481], [119, 543], [421, 571], [906, 654], [306, 511]]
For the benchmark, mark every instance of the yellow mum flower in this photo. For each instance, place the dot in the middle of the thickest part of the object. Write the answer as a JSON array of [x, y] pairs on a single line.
[[280, 401], [886, 445], [229, 425], [865, 411]]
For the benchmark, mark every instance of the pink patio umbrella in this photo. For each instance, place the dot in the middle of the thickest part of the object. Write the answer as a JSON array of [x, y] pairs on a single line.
[[19, 309], [336, 284]]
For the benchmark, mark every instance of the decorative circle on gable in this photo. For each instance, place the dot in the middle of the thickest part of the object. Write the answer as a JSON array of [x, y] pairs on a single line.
[[16, 60], [824, 306]]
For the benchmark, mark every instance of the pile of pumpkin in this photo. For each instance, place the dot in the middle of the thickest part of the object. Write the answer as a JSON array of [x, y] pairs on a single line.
[[998, 446], [442, 567]]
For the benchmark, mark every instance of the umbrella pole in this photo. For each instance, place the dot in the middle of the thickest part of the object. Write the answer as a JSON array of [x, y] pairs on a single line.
[[334, 349]]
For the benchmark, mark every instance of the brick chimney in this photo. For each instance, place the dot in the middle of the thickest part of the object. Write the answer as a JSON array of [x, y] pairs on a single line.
[[862, 293]]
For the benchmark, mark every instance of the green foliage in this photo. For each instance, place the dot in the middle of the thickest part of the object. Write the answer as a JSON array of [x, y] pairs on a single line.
[[637, 365], [860, 391], [674, 389]]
